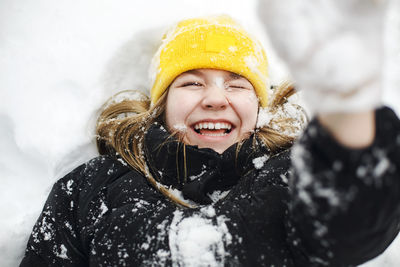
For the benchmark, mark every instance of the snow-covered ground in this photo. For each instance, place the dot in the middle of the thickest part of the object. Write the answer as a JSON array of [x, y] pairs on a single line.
[[60, 60]]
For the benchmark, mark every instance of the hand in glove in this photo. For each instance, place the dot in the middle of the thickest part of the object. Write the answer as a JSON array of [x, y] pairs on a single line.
[[334, 49]]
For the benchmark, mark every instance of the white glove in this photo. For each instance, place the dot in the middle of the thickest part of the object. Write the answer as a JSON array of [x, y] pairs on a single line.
[[333, 48]]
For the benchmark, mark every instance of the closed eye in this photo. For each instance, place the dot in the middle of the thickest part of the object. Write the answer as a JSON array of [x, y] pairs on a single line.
[[239, 83], [191, 84], [237, 86]]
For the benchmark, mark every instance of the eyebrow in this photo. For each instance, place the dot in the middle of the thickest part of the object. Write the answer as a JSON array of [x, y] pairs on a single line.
[[195, 71], [235, 76]]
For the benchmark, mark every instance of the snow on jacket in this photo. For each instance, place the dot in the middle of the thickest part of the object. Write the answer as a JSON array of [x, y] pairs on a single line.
[[328, 206]]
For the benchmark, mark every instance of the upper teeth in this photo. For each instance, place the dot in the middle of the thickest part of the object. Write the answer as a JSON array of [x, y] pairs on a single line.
[[211, 125]]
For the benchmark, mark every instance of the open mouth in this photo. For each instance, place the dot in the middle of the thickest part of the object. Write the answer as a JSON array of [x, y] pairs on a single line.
[[212, 128]]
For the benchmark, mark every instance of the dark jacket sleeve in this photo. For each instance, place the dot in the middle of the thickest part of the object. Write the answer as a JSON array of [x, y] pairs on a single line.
[[344, 206], [54, 239]]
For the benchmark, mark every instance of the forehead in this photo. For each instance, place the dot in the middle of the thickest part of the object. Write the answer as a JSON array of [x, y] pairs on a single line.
[[206, 72]]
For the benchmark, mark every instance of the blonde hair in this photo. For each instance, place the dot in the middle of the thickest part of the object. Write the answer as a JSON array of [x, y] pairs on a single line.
[[122, 125]]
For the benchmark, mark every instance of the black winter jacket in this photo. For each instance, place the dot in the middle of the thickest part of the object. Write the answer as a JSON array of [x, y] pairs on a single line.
[[318, 205]]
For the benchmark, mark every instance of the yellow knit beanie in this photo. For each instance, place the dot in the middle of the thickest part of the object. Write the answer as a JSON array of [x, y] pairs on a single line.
[[216, 42]]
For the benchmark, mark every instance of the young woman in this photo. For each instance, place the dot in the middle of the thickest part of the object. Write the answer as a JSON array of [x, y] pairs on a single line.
[[203, 173]]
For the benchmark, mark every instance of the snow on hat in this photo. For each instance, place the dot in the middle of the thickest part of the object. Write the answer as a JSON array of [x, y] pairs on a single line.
[[215, 42]]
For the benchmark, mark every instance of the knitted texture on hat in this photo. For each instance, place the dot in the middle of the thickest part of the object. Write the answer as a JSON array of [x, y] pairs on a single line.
[[212, 42]]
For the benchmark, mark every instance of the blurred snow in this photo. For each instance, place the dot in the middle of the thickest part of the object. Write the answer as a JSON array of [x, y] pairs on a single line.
[[336, 49], [59, 61]]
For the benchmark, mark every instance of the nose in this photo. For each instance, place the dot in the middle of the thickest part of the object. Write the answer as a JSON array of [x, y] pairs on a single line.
[[215, 98]]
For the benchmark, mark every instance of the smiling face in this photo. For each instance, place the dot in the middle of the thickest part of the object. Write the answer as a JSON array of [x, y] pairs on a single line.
[[214, 108]]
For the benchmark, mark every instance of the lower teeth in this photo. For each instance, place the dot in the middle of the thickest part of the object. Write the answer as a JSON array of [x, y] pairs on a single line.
[[221, 134]]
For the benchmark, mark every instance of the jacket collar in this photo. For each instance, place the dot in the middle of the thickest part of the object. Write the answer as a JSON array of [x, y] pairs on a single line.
[[206, 170]]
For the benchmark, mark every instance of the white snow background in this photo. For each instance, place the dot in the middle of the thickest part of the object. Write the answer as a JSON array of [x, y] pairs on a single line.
[[60, 60]]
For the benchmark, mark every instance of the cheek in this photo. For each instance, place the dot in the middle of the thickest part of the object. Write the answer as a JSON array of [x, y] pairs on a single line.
[[250, 117], [172, 114], [178, 107], [252, 99], [246, 106], [252, 109]]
